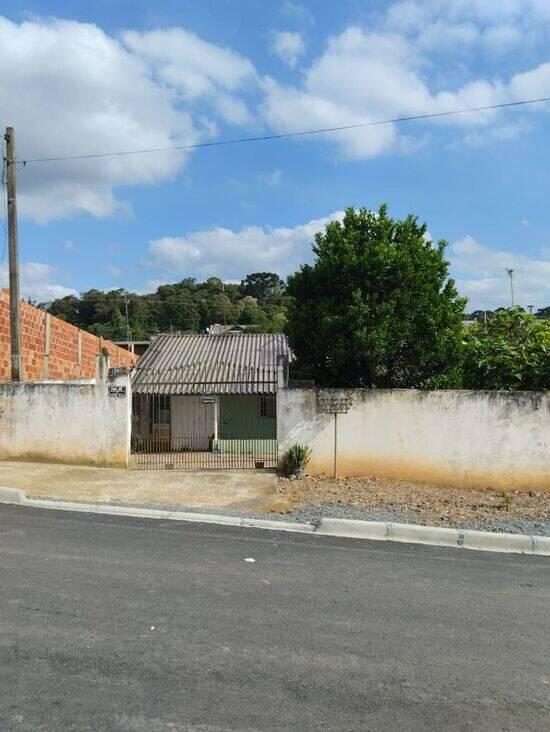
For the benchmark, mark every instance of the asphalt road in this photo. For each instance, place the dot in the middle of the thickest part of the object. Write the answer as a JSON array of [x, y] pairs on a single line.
[[133, 624]]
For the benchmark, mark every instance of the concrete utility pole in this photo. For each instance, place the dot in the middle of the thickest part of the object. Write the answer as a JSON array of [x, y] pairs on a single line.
[[128, 333], [510, 272], [15, 332]]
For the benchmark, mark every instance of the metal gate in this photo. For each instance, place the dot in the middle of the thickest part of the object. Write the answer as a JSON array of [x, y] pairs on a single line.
[[203, 431]]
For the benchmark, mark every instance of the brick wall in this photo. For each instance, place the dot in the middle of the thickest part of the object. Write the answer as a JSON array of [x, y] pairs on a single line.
[[53, 349]]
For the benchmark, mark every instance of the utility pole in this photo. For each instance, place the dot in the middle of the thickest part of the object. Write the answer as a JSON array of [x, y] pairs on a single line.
[[128, 333], [15, 332], [510, 272]]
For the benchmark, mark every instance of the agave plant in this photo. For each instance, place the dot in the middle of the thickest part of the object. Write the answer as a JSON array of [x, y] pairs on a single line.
[[296, 458]]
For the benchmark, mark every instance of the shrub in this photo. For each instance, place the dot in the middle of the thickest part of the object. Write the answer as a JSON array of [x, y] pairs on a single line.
[[512, 351], [296, 458]]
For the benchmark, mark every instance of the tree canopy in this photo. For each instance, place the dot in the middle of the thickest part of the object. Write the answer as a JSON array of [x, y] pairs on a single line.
[[377, 308], [186, 306], [512, 351], [265, 287]]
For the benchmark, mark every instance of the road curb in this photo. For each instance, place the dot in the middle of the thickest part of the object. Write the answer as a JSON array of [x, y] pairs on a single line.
[[435, 536], [155, 513], [12, 495], [345, 528]]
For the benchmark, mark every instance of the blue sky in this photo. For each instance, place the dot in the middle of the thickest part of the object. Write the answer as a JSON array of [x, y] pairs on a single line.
[[81, 77]]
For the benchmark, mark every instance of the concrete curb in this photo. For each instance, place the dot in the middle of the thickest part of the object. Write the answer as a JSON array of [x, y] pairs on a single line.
[[416, 534], [346, 528], [154, 513], [12, 495]]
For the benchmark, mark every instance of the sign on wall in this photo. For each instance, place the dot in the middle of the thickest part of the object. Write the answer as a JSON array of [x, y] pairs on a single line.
[[117, 391]]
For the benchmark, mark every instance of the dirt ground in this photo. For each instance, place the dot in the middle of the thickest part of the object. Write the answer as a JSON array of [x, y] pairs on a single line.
[[416, 502], [247, 490]]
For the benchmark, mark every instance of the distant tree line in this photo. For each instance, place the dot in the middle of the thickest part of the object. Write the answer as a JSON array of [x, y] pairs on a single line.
[[377, 309], [186, 306], [482, 315]]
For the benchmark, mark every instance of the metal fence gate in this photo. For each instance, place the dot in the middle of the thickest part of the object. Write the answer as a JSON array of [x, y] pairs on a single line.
[[171, 431]]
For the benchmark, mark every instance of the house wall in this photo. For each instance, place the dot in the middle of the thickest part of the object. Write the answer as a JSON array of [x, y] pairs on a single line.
[[240, 418], [66, 421], [52, 348], [465, 438]]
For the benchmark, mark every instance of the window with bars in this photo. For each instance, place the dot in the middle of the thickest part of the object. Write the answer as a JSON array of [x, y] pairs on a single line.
[[267, 406], [161, 411]]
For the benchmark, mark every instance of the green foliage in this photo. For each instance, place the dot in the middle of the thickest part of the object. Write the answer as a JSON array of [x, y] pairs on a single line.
[[186, 306], [377, 308], [511, 352], [265, 287], [296, 458]]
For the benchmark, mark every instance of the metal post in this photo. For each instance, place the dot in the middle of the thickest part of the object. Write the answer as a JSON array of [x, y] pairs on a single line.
[[510, 272], [335, 444], [15, 333]]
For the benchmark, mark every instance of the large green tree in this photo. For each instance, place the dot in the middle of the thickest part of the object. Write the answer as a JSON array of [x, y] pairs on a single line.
[[377, 308], [512, 351], [265, 287]]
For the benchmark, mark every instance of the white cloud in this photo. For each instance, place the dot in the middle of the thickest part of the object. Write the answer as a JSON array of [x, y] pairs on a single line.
[[36, 282], [197, 69], [71, 88], [480, 273], [113, 270], [288, 46], [297, 12], [88, 91], [227, 253], [393, 83], [272, 178], [496, 26], [186, 62]]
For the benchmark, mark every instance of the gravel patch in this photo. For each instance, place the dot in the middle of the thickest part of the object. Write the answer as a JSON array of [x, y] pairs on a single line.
[[312, 514], [374, 499]]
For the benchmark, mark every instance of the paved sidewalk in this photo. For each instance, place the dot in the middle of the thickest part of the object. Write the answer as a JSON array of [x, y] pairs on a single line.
[[243, 489]]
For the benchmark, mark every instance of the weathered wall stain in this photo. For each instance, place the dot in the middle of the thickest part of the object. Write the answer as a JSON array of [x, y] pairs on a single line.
[[66, 422], [465, 438], [411, 471]]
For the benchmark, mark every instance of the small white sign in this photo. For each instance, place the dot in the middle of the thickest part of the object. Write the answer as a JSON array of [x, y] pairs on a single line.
[[117, 391]]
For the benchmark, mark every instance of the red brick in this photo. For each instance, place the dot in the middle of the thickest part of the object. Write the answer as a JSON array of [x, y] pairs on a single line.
[[63, 361]]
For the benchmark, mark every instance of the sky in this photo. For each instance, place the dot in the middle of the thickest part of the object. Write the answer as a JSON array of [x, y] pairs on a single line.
[[85, 78]]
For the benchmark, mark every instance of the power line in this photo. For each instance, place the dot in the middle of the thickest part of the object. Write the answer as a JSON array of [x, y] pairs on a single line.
[[302, 133]]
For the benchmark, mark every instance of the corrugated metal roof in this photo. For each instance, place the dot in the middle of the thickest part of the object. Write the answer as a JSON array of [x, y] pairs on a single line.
[[236, 363]]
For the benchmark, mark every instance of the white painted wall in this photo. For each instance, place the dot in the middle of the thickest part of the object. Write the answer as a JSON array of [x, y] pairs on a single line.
[[467, 438], [66, 421]]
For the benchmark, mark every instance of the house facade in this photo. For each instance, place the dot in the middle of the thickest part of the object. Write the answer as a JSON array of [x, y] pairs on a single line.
[[208, 400]]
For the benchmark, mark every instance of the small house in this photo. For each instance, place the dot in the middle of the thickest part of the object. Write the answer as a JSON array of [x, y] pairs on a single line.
[[208, 400]]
